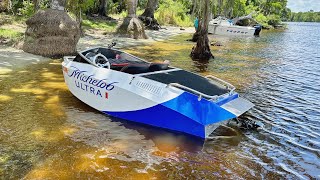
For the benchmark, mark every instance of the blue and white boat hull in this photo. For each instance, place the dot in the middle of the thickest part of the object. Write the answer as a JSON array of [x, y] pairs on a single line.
[[136, 98]]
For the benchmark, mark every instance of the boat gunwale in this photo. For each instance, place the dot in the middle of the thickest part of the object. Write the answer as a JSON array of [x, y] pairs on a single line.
[[213, 98]]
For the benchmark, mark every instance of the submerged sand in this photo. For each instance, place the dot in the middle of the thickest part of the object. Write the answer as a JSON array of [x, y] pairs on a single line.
[[12, 58]]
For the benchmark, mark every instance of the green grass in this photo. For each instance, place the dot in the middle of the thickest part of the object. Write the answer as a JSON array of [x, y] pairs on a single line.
[[100, 25], [10, 34]]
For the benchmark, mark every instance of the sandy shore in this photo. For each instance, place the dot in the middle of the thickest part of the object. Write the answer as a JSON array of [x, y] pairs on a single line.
[[12, 58], [103, 40]]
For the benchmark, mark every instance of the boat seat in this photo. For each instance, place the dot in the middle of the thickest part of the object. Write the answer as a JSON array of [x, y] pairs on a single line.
[[136, 68], [158, 66], [118, 66]]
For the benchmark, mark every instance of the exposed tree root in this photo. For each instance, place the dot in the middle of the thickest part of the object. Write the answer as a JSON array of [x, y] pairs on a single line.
[[150, 23], [132, 27]]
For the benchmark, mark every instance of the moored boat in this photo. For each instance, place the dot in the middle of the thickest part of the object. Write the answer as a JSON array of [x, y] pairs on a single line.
[[228, 27], [157, 94]]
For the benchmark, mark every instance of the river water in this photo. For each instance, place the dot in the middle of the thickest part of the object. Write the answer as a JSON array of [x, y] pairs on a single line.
[[46, 133]]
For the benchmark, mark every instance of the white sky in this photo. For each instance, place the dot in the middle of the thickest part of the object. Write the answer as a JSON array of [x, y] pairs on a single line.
[[304, 5]]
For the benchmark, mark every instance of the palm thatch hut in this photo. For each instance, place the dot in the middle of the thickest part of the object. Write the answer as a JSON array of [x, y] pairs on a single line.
[[51, 33]]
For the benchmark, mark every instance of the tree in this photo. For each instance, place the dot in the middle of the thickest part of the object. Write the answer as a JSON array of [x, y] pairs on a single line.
[[202, 49], [51, 32], [148, 15], [103, 6], [36, 6], [132, 27], [151, 7]]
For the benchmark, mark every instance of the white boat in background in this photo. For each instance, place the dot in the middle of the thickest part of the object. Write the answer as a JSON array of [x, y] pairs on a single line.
[[228, 27]]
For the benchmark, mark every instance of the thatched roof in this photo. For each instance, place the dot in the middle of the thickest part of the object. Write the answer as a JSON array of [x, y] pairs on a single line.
[[51, 22], [51, 33]]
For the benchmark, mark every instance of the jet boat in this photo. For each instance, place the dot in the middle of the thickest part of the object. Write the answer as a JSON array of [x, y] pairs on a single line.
[[157, 94]]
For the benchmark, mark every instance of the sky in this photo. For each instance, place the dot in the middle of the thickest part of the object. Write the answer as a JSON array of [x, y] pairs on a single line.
[[304, 5]]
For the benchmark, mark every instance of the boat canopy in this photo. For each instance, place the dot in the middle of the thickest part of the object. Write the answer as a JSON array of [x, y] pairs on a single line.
[[244, 21]]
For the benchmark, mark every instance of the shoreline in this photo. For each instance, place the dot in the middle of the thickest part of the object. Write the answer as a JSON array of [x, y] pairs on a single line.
[[13, 58]]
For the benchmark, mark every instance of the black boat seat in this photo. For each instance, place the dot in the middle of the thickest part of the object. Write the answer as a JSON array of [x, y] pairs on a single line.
[[139, 68], [158, 67], [136, 68]]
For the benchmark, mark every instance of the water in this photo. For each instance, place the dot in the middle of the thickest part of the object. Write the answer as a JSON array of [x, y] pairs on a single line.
[[46, 133]]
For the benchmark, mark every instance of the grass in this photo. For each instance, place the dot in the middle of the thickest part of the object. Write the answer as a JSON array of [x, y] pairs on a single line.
[[11, 19], [11, 28], [10, 34], [100, 25]]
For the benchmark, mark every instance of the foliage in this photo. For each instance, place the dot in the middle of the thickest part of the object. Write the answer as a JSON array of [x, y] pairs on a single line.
[[274, 20], [120, 15], [27, 9], [77, 6], [173, 12], [176, 12], [265, 12], [100, 24], [10, 34], [263, 20], [310, 16]]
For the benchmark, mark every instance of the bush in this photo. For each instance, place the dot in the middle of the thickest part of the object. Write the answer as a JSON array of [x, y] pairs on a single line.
[[261, 19], [27, 10], [100, 24], [173, 13], [274, 19]]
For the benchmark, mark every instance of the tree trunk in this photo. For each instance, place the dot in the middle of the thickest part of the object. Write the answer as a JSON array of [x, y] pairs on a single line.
[[202, 50], [103, 8], [147, 16], [220, 4], [151, 7], [132, 8], [36, 5], [79, 21], [194, 6], [132, 27]]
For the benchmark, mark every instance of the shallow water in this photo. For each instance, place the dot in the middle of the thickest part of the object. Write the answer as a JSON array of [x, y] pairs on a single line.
[[46, 133]]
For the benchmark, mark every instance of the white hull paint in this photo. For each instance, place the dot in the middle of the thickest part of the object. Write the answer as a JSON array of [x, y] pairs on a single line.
[[223, 26], [139, 99], [129, 95], [231, 30]]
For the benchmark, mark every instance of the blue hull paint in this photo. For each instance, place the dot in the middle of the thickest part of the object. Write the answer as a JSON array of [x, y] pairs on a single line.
[[163, 117], [183, 113]]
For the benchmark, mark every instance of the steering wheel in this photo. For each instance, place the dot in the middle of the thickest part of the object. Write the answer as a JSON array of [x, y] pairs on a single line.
[[101, 61]]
